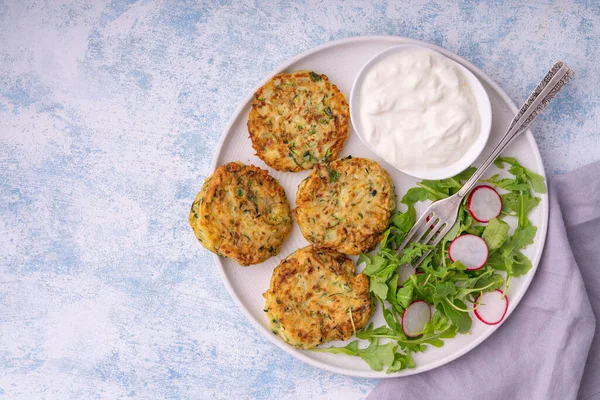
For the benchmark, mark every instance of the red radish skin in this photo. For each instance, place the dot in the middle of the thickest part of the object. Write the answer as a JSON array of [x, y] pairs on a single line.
[[414, 318], [469, 249], [491, 319], [427, 220], [484, 203]]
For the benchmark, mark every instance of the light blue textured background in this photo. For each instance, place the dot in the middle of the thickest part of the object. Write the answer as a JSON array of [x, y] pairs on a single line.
[[109, 116]]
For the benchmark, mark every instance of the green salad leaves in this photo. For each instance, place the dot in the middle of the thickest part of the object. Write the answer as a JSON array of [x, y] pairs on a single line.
[[448, 286]]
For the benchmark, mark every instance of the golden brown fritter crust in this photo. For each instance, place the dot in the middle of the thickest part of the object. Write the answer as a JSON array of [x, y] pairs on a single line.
[[314, 297], [242, 213], [298, 120], [345, 205]]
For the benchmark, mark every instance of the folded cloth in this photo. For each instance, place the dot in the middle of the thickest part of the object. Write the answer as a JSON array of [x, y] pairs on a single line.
[[547, 348]]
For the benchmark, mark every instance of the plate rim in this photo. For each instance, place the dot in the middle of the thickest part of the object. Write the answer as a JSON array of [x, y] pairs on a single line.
[[542, 231]]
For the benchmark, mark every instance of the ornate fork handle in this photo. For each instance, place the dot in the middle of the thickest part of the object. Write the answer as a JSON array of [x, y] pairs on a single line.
[[443, 213], [556, 78]]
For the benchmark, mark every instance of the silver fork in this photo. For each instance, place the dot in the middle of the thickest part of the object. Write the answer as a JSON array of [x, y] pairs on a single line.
[[440, 216]]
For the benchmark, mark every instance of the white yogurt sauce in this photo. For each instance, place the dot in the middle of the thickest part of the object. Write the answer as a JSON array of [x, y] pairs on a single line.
[[417, 110]]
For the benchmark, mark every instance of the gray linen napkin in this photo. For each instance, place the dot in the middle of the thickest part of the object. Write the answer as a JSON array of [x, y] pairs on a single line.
[[540, 352]]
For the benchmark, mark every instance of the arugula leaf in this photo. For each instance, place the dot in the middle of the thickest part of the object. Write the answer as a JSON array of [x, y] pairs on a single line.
[[457, 265], [489, 283], [392, 236], [526, 204], [519, 204], [454, 231], [432, 333], [467, 221], [445, 289], [511, 202], [521, 264], [375, 355], [378, 355], [510, 184], [405, 221], [535, 180], [404, 295], [363, 258], [416, 194], [369, 331], [484, 284], [412, 251], [436, 190], [461, 319], [391, 293], [401, 361], [378, 287], [521, 237], [465, 175], [510, 258], [496, 261], [383, 270], [495, 233], [376, 264], [392, 320]]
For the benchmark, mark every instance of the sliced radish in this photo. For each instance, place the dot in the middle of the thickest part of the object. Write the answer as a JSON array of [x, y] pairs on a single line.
[[414, 318], [470, 250], [484, 203], [491, 307]]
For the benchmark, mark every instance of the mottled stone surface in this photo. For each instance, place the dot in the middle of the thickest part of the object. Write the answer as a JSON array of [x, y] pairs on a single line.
[[109, 116]]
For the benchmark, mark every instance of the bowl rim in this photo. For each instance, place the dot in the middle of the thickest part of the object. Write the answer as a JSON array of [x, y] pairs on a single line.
[[482, 100]]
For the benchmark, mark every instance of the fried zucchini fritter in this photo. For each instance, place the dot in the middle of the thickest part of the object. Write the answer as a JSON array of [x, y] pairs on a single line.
[[345, 205], [298, 120], [314, 297], [242, 213]]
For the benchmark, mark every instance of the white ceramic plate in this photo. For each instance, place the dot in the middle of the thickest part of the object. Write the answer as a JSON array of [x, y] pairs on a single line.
[[341, 61]]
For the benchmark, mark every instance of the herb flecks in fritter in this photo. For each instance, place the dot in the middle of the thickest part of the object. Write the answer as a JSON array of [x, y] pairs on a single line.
[[345, 205], [315, 297], [298, 120], [242, 213]]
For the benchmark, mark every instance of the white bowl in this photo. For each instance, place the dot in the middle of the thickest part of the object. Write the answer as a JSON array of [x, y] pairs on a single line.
[[483, 106]]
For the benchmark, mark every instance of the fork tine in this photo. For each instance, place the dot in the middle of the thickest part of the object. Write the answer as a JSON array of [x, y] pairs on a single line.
[[420, 260], [436, 241], [434, 230], [416, 232], [422, 230], [443, 233]]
